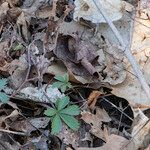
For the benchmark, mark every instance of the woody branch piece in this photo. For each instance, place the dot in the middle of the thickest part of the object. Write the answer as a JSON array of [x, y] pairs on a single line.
[[126, 50]]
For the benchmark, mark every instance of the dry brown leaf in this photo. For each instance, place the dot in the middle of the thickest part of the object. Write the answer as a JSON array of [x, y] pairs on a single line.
[[31, 6], [22, 25], [14, 113], [141, 128], [3, 9], [12, 3], [131, 89], [13, 14], [9, 146], [96, 121], [17, 70], [115, 72], [92, 99], [3, 48], [69, 148], [68, 136], [114, 142], [44, 12], [30, 125], [74, 59]]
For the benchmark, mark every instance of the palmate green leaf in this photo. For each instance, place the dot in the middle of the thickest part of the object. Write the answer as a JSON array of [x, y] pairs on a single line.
[[50, 112], [56, 124], [66, 77], [69, 85], [63, 88], [57, 84], [4, 97], [70, 121], [72, 110], [3, 83], [18, 47], [59, 78], [62, 103]]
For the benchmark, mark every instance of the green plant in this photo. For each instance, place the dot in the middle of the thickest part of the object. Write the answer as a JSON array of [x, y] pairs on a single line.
[[62, 83], [3, 97], [18, 47], [63, 113]]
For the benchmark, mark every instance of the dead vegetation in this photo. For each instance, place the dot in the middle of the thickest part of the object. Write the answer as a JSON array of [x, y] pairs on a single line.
[[74, 75]]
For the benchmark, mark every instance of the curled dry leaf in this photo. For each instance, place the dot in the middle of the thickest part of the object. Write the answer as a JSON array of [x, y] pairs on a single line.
[[84, 53], [114, 142], [74, 53], [92, 99], [96, 121], [22, 25], [59, 68]]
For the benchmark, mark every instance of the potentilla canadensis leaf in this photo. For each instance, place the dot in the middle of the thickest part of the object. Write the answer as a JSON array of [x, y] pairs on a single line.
[[3, 83], [56, 124], [62, 103], [70, 121], [59, 78], [50, 112], [63, 88], [4, 97], [66, 77], [57, 84], [72, 110]]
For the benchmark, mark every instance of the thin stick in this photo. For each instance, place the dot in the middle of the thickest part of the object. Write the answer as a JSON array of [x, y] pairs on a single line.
[[117, 108], [126, 50], [13, 132]]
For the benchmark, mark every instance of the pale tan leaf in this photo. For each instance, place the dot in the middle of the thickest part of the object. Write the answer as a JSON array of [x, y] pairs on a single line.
[[88, 11], [3, 9], [141, 128], [96, 121], [92, 99], [115, 142], [131, 89]]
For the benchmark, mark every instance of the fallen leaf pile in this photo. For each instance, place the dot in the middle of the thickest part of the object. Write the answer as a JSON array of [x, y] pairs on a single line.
[[50, 49]]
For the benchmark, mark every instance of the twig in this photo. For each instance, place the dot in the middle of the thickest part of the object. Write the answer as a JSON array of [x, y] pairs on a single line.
[[121, 117], [126, 50], [13, 132], [117, 108]]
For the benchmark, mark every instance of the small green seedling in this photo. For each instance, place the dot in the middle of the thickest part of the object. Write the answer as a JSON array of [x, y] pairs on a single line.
[[63, 113], [3, 97], [62, 83], [18, 47]]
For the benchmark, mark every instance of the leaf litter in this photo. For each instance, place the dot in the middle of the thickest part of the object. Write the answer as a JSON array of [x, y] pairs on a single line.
[[47, 38]]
